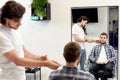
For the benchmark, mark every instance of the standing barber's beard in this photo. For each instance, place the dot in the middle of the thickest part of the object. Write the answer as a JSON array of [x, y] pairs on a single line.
[[8, 25], [11, 27], [82, 25]]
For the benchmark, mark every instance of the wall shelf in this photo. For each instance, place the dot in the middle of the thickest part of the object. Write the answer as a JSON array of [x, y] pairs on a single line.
[[47, 9]]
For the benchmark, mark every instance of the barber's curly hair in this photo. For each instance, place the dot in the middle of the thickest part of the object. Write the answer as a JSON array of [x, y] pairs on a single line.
[[11, 10], [83, 18]]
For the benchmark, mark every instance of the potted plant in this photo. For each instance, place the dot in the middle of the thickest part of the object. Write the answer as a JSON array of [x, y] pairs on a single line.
[[39, 8]]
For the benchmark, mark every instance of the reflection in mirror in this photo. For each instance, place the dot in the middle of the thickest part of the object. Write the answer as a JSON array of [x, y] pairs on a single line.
[[101, 19]]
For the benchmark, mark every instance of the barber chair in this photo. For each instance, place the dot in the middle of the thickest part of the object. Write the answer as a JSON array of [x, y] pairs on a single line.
[[100, 74], [33, 71]]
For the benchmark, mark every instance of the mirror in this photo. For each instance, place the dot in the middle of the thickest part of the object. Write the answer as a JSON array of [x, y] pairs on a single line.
[[101, 19]]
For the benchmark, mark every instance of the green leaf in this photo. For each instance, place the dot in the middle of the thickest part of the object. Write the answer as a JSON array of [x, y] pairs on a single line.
[[38, 6]]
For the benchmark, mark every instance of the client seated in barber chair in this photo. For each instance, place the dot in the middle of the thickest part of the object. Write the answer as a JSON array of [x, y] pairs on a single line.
[[70, 71], [102, 59], [102, 71]]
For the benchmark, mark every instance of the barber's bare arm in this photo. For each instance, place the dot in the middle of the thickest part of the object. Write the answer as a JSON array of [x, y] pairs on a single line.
[[31, 55], [78, 39], [28, 54], [13, 56]]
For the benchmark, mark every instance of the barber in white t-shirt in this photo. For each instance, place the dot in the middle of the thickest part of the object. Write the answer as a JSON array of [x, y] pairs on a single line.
[[79, 35], [13, 55]]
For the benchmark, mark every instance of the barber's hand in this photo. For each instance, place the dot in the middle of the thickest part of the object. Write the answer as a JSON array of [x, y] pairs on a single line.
[[53, 64], [98, 41], [43, 58], [89, 40]]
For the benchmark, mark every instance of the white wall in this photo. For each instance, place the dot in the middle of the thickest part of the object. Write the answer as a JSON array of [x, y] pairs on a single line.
[[102, 25], [49, 37]]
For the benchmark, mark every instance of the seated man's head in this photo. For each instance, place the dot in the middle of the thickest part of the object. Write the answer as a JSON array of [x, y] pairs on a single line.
[[72, 52], [103, 37]]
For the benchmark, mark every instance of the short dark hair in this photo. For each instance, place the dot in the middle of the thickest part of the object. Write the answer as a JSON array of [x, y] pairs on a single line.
[[82, 18], [71, 51], [11, 10], [104, 34]]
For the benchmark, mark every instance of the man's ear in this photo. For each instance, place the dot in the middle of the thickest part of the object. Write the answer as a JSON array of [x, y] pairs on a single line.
[[78, 58]]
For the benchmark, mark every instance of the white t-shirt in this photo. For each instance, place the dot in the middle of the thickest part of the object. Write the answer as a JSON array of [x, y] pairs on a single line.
[[9, 40], [102, 56], [76, 29]]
